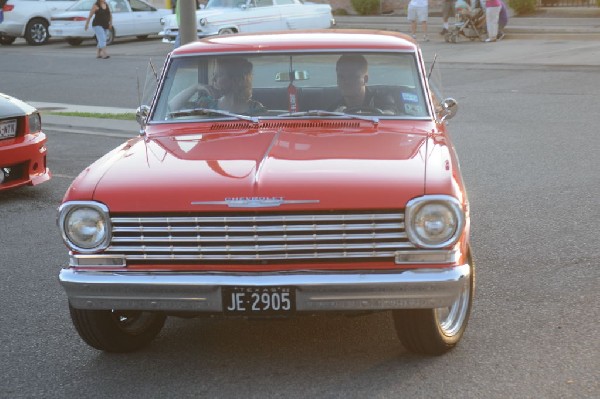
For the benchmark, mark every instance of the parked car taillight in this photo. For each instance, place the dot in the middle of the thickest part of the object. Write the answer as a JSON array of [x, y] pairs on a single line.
[[8, 7]]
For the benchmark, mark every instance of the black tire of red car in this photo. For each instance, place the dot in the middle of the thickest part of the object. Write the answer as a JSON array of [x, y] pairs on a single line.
[[110, 37], [6, 40], [117, 331], [74, 41], [436, 331], [36, 32]]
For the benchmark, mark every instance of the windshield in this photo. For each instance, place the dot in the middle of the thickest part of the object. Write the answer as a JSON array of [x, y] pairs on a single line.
[[387, 85]]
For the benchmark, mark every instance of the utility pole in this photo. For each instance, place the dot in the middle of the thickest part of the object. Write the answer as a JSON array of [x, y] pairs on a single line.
[[187, 21]]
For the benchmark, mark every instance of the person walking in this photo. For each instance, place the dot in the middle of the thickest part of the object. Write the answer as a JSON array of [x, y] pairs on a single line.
[[418, 11], [448, 10], [502, 20], [492, 14], [101, 24]]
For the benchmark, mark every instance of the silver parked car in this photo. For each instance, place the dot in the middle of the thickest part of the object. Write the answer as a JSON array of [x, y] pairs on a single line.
[[29, 19]]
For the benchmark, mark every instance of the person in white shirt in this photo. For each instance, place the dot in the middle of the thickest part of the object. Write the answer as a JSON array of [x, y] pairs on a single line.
[[418, 11]]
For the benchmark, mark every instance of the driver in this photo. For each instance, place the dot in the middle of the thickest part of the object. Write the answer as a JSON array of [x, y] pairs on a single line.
[[352, 77]]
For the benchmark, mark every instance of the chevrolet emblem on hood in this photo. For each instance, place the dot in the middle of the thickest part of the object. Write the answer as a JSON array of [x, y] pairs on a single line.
[[254, 202]]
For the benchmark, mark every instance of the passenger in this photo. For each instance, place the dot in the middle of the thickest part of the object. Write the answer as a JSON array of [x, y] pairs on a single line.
[[352, 77], [231, 90]]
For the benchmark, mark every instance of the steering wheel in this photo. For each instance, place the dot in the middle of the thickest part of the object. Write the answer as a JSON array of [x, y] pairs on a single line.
[[361, 109]]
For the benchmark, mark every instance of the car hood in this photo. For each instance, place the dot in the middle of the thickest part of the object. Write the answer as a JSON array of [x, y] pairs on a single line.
[[288, 169], [10, 106]]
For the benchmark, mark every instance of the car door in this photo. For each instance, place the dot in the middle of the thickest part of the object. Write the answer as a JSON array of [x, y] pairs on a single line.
[[54, 6], [295, 15], [146, 18], [123, 22], [261, 16]]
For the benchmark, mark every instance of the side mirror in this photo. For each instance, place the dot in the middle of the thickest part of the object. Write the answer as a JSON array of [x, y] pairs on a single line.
[[141, 114], [449, 108]]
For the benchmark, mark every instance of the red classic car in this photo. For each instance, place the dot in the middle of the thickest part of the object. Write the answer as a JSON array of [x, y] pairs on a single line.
[[276, 175], [22, 145]]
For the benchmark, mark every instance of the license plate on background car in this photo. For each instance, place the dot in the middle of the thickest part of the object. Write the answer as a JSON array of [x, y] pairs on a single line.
[[267, 301], [8, 128]]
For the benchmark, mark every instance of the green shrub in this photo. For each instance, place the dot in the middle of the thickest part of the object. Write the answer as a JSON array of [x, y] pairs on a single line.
[[343, 11], [522, 7], [366, 7]]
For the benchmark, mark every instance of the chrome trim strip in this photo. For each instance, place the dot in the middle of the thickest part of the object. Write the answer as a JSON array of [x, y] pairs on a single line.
[[201, 292], [343, 217], [255, 237]]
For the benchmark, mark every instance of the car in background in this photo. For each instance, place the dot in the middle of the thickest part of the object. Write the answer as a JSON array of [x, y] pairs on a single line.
[[29, 19], [282, 203], [222, 17], [22, 145], [130, 18]]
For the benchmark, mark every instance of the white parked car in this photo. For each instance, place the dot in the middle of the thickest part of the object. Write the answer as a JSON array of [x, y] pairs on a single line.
[[29, 19], [130, 18], [221, 17]]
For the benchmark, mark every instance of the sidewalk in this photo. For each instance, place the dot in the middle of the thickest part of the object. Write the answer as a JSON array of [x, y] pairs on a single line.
[[85, 125], [554, 22], [560, 24]]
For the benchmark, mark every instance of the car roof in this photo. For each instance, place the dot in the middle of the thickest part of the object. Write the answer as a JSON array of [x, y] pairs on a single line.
[[319, 40]]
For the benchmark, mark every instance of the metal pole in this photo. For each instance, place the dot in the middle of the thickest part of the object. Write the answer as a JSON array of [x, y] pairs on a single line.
[[187, 19]]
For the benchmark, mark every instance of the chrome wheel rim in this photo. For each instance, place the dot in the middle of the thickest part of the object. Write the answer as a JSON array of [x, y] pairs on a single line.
[[38, 33]]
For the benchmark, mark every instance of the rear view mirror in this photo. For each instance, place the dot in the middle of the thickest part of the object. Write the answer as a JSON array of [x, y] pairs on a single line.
[[291, 76]]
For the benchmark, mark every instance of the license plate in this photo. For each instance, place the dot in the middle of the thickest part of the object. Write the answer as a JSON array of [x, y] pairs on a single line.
[[267, 301], [8, 129]]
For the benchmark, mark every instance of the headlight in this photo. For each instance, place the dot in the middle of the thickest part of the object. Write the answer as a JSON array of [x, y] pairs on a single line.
[[85, 226], [162, 21], [202, 21], [434, 221], [34, 122]]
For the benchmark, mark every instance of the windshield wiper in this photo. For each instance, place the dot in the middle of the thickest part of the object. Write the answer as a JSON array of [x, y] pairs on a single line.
[[209, 111], [320, 112]]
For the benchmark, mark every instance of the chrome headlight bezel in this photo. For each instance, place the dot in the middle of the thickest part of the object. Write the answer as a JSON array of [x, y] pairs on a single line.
[[453, 211], [68, 210]]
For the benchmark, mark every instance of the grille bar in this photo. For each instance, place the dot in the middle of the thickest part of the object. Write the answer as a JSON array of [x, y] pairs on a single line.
[[260, 237]]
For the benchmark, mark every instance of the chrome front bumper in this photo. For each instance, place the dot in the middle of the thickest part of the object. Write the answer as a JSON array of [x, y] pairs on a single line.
[[326, 291]]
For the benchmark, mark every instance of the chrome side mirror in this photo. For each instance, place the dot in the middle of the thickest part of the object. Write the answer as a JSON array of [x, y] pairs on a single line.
[[141, 114], [449, 108]]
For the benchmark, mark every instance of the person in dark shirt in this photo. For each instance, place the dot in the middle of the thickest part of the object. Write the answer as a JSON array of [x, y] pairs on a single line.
[[101, 24], [352, 77]]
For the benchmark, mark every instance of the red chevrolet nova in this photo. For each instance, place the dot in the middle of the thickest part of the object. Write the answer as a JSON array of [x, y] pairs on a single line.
[[276, 175]]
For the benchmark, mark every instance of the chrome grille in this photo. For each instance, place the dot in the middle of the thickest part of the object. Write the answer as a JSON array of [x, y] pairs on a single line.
[[259, 237]]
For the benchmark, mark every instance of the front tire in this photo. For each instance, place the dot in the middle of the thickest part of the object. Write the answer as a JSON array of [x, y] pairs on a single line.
[[227, 31], [436, 331], [117, 331], [36, 32]]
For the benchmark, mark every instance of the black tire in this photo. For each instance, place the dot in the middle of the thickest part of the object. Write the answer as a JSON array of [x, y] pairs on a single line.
[[436, 331], [142, 37], [74, 41], [116, 331], [6, 40], [36, 32]]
